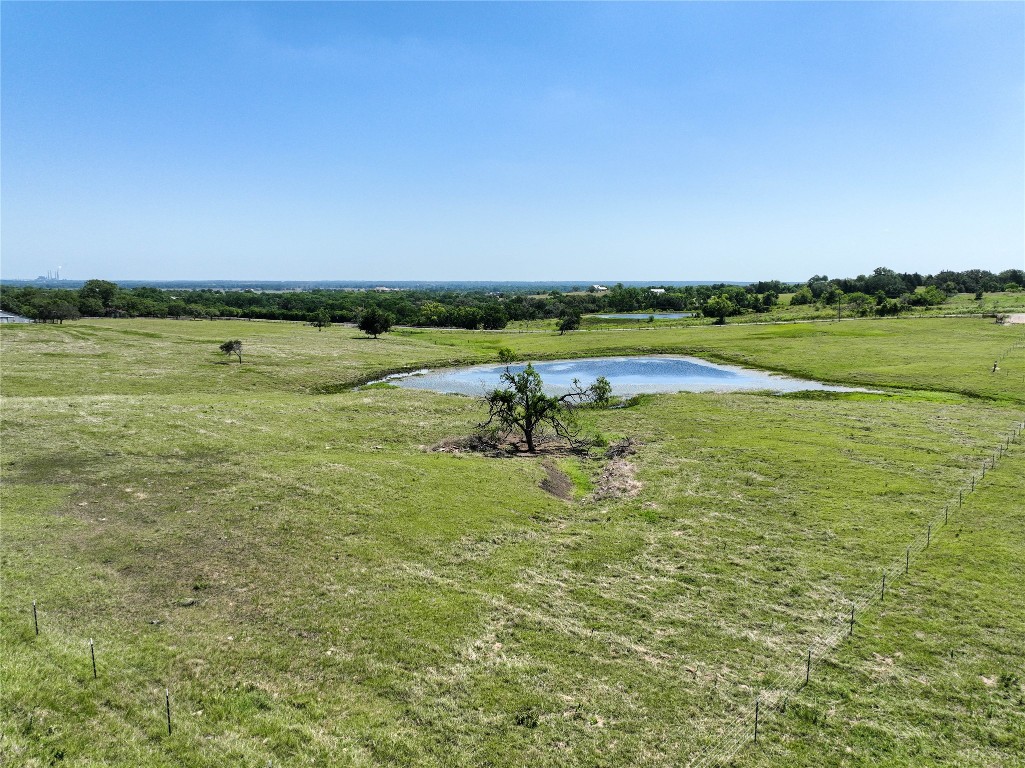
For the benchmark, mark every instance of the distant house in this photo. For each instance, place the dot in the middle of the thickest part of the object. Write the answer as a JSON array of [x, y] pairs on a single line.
[[8, 317], [657, 290], [598, 288]]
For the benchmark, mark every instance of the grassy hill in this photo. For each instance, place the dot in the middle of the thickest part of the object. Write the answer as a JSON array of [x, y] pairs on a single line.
[[280, 551]]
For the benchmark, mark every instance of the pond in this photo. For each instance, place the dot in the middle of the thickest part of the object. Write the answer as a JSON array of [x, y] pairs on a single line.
[[628, 376], [656, 315]]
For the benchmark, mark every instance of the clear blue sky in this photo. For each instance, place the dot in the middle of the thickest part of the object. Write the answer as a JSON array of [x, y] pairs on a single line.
[[683, 141]]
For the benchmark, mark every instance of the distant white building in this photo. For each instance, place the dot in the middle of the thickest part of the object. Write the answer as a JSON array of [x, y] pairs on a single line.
[[8, 317], [599, 288], [657, 290]]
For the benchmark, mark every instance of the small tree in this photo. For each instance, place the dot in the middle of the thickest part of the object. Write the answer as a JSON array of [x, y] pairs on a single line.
[[373, 322], [570, 322], [506, 355], [321, 320], [600, 392], [232, 347], [523, 406], [719, 307]]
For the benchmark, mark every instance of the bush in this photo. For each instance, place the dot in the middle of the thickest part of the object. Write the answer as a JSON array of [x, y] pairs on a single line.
[[803, 296], [928, 297], [889, 308]]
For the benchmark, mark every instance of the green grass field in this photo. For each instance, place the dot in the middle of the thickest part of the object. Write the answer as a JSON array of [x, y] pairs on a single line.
[[280, 551]]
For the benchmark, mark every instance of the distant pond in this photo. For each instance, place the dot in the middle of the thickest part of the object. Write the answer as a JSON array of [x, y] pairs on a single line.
[[638, 316], [628, 376]]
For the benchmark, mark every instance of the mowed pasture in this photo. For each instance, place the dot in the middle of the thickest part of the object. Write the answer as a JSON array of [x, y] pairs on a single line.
[[314, 587]]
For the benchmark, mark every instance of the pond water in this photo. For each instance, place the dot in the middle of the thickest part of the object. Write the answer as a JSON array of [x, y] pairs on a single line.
[[656, 315], [628, 376]]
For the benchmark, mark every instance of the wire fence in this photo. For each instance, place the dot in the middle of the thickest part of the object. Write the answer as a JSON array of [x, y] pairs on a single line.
[[780, 683]]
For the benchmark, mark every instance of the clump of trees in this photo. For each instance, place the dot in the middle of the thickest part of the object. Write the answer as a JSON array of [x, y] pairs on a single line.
[[883, 293], [57, 311], [523, 407]]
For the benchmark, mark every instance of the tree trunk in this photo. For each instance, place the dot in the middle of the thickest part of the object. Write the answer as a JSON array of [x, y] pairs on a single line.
[[528, 432]]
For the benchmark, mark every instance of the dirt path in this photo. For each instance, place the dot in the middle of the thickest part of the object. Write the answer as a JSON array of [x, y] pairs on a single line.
[[1016, 319]]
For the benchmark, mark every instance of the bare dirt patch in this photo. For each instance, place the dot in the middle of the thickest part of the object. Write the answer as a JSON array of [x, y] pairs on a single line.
[[556, 481], [503, 446], [617, 479]]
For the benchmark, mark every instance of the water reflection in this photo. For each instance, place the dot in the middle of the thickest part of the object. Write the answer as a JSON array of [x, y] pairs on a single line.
[[628, 376]]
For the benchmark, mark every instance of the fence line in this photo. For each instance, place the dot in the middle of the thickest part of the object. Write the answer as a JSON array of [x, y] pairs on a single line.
[[780, 683]]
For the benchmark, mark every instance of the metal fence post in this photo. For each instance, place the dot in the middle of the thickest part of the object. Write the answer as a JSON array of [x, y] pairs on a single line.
[[756, 720]]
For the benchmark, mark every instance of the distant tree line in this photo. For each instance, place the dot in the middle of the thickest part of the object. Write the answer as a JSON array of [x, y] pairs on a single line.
[[886, 292], [895, 284], [883, 292]]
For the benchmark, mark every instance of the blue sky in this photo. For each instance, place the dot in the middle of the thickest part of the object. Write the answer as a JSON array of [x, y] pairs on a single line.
[[676, 141]]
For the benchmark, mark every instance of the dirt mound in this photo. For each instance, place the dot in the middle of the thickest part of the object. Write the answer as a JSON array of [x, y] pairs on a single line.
[[616, 481], [556, 481], [621, 448]]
